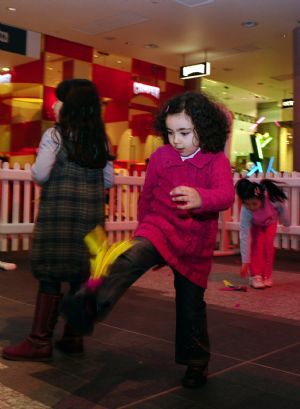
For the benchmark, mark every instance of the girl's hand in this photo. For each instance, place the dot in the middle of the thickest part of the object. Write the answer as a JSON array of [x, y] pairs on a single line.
[[186, 197], [244, 270]]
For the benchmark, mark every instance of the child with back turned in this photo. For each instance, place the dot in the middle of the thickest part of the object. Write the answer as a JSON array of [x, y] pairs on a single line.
[[188, 182], [74, 167], [263, 205]]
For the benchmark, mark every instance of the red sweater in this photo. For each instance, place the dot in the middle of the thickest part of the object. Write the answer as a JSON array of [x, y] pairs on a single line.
[[185, 238]]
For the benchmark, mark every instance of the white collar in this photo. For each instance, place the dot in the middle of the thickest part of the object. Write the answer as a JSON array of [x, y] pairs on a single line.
[[190, 156]]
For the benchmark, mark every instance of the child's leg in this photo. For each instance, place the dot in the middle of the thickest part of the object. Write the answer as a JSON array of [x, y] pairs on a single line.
[[71, 342], [192, 340], [270, 232], [84, 308], [124, 272], [38, 345], [257, 251]]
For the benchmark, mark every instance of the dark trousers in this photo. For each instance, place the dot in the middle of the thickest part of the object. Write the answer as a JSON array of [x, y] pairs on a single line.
[[54, 287], [192, 341]]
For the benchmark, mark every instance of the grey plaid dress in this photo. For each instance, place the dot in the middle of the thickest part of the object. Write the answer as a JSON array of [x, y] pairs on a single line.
[[71, 205]]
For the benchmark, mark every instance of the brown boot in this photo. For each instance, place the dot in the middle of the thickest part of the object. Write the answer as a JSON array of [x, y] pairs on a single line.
[[38, 346], [71, 342]]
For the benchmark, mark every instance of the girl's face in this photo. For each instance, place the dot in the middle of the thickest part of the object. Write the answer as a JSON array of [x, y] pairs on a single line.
[[56, 109], [181, 133], [253, 204]]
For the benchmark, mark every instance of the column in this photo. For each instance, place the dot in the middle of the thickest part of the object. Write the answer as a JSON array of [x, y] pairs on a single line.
[[192, 84], [296, 119]]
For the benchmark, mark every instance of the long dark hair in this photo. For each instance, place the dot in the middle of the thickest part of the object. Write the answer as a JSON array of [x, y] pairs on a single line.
[[211, 122], [80, 124], [246, 189]]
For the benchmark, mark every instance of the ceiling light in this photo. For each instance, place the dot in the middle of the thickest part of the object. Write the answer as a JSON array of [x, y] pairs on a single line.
[[151, 45], [194, 3], [5, 69], [249, 24], [11, 9]]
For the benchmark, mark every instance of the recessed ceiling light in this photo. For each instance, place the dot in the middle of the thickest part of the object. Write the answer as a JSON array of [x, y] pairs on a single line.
[[249, 24], [151, 45], [11, 9], [194, 3]]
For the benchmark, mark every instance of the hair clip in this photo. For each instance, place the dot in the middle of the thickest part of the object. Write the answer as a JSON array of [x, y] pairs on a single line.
[[257, 192], [167, 109]]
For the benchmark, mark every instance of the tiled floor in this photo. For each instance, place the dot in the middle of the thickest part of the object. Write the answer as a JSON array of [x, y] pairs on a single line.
[[129, 360]]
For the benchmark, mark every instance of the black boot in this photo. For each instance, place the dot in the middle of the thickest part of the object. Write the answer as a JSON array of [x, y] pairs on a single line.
[[194, 377], [71, 343], [80, 311]]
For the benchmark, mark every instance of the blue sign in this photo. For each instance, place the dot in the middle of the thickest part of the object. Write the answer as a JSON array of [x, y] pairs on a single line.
[[258, 168]]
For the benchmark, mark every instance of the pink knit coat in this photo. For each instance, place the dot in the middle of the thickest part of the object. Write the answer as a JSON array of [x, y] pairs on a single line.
[[185, 238]]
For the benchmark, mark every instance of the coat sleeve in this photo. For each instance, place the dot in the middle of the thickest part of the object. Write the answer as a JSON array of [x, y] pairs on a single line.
[[245, 234], [145, 199], [220, 195], [108, 173], [282, 209], [46, 157]]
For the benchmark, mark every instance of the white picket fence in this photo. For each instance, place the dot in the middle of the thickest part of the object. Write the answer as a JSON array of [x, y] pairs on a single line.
[[19, 200]]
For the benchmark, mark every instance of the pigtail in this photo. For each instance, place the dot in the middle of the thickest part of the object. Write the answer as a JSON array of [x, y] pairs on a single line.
[[246, 189], [274, 191]]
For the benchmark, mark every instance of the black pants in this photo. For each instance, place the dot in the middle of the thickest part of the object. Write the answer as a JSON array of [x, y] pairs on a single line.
[[192, 341], [54, 287]]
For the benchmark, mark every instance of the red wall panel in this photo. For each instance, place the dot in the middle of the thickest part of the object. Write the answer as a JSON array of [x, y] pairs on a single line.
[[31, 72], [116, 111], [25, 135], [49, 99], [112, 83], [146, 69], [68, 48], [5, 113]]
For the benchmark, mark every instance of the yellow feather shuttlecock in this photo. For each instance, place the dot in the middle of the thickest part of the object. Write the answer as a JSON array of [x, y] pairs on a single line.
[[102, 254], [227, 283], [95, 240]]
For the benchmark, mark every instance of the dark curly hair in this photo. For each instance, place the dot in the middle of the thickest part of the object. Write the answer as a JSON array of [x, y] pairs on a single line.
[[211, 122], [246, 189], [80, 124]]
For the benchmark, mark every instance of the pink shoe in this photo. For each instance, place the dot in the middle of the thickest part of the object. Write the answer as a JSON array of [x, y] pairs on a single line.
[[257, 282], [268, 282]]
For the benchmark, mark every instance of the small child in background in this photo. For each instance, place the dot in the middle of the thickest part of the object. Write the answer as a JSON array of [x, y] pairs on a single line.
[[263, 205], [7, 266]]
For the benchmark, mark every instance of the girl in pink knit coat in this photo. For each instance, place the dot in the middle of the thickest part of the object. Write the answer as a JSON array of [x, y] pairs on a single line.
[[188, 182]]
